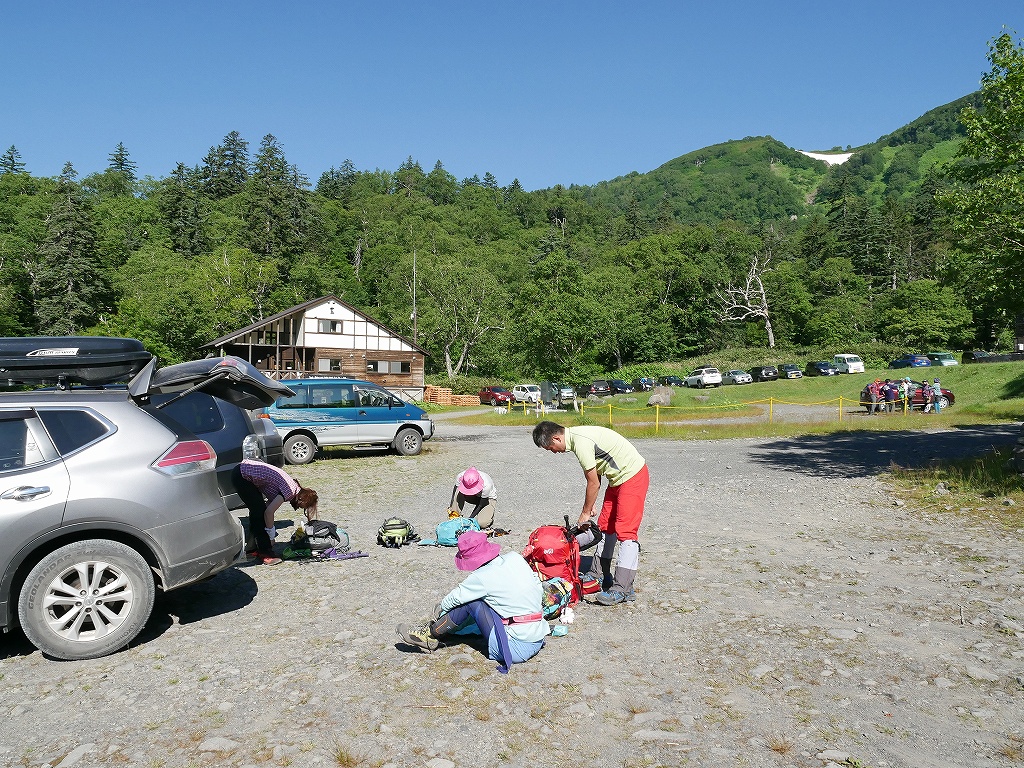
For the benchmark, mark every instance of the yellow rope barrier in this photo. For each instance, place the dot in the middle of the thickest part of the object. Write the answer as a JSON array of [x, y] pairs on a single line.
[[840, 403]]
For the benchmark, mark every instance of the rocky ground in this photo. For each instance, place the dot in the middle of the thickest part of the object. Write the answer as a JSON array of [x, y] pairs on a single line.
[[791, 612]]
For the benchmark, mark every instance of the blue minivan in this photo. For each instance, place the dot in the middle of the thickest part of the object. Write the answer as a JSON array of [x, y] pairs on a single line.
[[360, 414]]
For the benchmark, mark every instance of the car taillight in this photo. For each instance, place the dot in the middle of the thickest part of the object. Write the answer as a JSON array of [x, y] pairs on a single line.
[[187, 457], [251, 448]]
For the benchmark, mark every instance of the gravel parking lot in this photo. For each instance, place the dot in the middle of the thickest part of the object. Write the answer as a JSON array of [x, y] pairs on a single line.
[[790, 613]]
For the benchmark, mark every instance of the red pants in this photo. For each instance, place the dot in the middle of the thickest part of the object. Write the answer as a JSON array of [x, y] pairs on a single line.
[[623, 506]]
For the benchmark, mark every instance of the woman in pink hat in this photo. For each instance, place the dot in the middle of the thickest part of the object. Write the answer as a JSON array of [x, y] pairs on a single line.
[[474, 496], [500, 600]]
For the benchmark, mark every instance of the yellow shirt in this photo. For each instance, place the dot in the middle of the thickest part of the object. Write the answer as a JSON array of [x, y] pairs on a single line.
[[613, 455]]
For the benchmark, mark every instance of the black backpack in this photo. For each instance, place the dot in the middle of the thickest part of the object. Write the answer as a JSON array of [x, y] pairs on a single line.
[[319, 536]]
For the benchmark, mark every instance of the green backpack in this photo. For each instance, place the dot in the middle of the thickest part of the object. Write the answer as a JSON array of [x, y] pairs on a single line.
[[394, 532]]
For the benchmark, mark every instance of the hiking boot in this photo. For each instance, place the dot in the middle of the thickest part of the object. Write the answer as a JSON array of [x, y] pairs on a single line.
[[418, 636], [612, 597]]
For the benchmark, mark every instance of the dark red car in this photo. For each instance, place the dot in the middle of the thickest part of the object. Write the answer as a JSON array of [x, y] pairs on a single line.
[[917, 398], [494, 396]]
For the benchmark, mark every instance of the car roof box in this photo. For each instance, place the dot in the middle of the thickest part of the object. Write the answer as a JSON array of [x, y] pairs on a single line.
[[91, 360]]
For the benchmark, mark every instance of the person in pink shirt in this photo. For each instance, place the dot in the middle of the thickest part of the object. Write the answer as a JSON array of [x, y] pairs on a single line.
[[264, 488]]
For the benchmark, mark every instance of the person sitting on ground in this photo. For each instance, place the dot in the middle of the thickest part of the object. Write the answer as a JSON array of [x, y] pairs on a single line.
[[501, 600], [474, 496], [263, 488]]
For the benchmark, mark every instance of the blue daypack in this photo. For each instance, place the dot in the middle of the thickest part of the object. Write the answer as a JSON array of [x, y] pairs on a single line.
[[448, 532]]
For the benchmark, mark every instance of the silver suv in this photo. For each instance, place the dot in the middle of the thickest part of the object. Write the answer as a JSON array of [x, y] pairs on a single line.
[[104, 497]]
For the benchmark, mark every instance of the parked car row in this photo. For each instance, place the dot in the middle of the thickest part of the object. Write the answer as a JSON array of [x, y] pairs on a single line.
[[911, 360]]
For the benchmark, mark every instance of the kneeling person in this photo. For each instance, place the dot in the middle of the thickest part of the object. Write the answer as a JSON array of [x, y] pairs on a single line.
[[500, 600], [474, 496]]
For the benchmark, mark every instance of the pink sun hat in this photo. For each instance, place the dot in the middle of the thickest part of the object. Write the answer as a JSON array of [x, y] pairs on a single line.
[[475, 549], [470, 482]]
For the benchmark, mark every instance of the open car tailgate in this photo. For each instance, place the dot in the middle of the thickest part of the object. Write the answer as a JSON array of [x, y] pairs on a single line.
[[229, 378]]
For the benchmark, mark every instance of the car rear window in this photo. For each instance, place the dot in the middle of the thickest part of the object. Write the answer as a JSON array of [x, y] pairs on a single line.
[[71, 429], [197, 412]]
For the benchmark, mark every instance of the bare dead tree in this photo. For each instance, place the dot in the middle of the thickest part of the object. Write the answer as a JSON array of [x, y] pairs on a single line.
[[749, 301]]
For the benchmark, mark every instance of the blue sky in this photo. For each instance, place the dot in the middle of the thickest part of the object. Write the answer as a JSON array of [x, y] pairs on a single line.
[[570, 92]]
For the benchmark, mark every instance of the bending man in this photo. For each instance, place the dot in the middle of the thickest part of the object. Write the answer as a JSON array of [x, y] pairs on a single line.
[[605, 453]]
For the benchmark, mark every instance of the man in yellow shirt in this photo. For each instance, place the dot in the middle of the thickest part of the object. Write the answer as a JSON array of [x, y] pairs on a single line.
[[605, 453]]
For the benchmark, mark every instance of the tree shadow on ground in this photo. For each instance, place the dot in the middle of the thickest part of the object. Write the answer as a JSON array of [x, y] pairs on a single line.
[[863, 454]]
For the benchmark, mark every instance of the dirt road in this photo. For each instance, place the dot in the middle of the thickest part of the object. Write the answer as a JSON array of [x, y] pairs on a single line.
[[789, 614]]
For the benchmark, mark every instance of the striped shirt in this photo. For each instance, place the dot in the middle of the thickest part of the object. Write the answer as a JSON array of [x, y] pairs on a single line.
[[269, 479]]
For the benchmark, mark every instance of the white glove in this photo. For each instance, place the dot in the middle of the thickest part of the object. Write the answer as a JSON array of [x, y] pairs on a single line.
[[272, 533]]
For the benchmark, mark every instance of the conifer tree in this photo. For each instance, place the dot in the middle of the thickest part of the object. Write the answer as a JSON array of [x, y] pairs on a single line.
[[121, 162], [226, 167], [185, 211], [67, 282], [10, 161]]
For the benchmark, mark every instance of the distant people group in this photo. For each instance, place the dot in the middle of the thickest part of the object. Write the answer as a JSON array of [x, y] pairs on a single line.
[[891, 395]]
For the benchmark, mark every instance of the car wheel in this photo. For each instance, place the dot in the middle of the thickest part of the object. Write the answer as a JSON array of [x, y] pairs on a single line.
[[494, 401], [299, 449], [86, 599], [408, 441], [944, 402]]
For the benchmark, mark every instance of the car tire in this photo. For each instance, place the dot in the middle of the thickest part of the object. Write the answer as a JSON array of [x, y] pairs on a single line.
[[64, 621], [408, 442], [299, 449], [944, 402], [494, 401]]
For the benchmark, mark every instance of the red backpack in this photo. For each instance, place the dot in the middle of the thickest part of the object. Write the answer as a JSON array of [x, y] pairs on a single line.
[[553, 551]]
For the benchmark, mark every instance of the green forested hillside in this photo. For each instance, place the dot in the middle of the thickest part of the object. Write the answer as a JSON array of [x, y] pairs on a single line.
[[750, 181], [561, 282]]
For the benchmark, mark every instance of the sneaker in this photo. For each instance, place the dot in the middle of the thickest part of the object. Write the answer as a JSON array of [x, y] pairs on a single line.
[[418, 636], [611, 597], [267, 559]]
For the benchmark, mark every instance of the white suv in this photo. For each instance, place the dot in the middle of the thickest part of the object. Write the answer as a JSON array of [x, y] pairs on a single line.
[[703, 377], [526, 393]]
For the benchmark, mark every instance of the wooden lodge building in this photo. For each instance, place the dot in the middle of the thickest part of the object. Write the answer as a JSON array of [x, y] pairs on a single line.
[[327, 337]]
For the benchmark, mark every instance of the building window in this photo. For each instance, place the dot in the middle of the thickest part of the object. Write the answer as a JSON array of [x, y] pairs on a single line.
[[326, 365], [388, 366], [329, 326]]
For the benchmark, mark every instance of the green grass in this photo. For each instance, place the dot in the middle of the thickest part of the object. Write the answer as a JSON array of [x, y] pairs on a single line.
[[986, 393], [977, 487]]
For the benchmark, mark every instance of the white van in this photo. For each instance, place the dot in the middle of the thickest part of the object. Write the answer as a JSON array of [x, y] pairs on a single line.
[[848, 364]]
